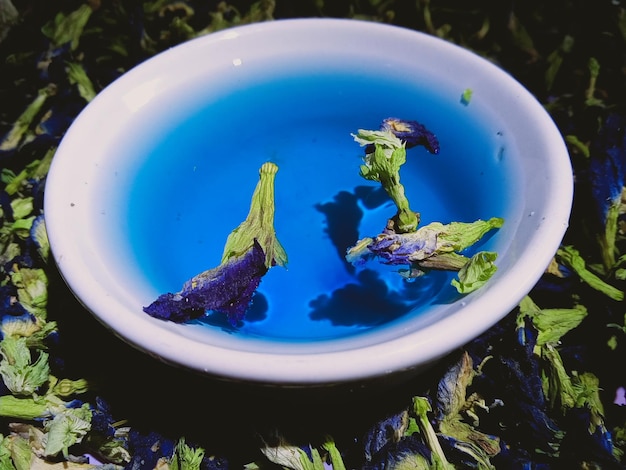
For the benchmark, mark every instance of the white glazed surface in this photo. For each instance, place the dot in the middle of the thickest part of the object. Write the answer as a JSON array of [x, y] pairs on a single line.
[[83, 181]]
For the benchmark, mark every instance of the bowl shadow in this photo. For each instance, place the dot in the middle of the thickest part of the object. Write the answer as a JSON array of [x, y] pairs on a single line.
[[229, 419]]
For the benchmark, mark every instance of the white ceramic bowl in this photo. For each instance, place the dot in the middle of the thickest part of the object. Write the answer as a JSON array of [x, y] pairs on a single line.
[[104, 152]]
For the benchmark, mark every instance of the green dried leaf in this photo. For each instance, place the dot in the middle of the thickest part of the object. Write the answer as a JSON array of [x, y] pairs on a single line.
[[77, 76], [521, 37], [294, 458], [8, 249], [554, 323], [66, 429], [262, 10], [476, 272], [21, 126], [452, 388], [22, 207], [227, 16], [21, 227], [335, 456], [21, 452], [20, 375], [9, 16], [466, 96], [67, 28], [457, 236], [557, 384], [23, 408], [577, 144], [479, 446], [6, 462], [445, 261], [111, 450], [32, 290], [587, 389], [551, 324], [569, 256], [452, 396], [35, 170], [555, 60], [421, 408], [594, 71], [155, 6], [185, 457], [66, 387], [386, 139], [607, 238], [413, 462]]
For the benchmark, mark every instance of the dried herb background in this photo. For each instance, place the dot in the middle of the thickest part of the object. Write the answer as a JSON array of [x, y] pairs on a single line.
[[542, 389]]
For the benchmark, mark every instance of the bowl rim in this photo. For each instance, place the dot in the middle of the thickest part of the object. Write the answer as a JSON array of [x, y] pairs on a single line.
[[304, 368]]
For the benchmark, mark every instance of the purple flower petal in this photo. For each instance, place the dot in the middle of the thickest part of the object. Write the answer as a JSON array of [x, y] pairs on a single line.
[[227, 288], [607, 165], [404, 248], [412, 133]]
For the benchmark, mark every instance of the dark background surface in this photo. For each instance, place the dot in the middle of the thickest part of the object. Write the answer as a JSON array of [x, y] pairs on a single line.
[[529, 39]]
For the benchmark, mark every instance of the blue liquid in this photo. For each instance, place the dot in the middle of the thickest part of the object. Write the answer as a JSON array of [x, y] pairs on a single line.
[[197, 179]]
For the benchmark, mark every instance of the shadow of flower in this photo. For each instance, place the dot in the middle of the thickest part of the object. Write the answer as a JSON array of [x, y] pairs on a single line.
[[370, 302], [343, 216], [257, 311]]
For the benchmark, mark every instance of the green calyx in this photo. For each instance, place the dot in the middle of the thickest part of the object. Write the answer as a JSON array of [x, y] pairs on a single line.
[[259, 224]]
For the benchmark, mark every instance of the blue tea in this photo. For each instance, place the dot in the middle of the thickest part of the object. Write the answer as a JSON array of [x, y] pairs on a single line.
[[197, 178]]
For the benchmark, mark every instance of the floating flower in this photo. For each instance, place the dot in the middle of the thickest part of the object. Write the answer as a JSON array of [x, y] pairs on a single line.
[[433, 246], [227, 288], [250, 250], [385, 153]]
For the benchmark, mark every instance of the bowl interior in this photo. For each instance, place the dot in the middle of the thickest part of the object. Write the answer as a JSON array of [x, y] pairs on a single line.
[[161, 166]]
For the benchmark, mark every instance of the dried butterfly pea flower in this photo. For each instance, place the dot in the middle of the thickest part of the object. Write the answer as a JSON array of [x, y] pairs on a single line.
[[433, 246], [250, 250], [227, 288], [385, 153]]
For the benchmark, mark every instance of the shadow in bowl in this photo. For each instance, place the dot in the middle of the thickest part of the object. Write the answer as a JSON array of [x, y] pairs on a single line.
[[369, 301], [257, 312], [343, 216]]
